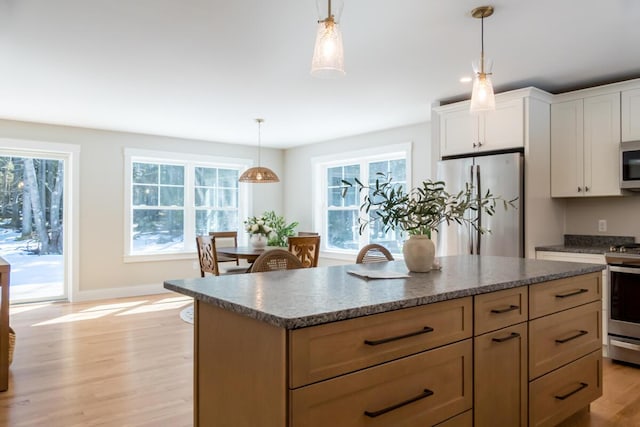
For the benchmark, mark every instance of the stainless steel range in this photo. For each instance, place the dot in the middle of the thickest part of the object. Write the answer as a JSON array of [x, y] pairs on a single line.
[[624, 302]]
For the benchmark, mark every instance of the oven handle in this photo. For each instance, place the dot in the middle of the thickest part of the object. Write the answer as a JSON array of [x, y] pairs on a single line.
[[624, 344], [619, 269]]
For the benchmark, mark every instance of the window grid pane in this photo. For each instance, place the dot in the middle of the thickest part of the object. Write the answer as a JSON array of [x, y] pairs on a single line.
[[342, 213], [158, 211]]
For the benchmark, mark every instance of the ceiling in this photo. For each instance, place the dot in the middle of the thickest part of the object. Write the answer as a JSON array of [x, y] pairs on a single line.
[[205, 69]]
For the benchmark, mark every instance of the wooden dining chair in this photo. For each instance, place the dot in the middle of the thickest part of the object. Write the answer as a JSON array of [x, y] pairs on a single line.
[[307, 233], [226, 237], [208, 257], [373, 253], [306, 248], [276, 259]]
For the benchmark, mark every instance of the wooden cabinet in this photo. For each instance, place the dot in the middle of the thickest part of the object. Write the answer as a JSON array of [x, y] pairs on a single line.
[[562, 337], [565, 355], [500, 377], [455, 363], [591, 259], [630, 105], [462, 132], [565, 391], [500, 357], [422, 389], [384, 369], [585, 144], [334, 349]]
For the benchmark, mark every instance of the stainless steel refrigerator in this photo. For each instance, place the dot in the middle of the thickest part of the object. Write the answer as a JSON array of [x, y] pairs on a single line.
[[503, 175]]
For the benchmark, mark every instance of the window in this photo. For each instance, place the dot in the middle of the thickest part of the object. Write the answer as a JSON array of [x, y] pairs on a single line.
[[339, 216], [172, 198]]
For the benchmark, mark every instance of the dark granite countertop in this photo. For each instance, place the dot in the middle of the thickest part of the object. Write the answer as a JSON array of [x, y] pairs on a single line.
[[294, 299], [585, 244], [600, 250]]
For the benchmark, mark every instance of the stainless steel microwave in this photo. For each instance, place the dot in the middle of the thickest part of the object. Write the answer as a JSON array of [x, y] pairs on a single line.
[[630, 165]]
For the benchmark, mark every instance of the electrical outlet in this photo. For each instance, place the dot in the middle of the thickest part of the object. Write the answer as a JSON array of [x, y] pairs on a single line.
[[196, 265], [602, 225]]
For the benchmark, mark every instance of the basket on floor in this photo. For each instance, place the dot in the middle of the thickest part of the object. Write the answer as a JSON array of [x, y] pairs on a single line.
[[12, 343]]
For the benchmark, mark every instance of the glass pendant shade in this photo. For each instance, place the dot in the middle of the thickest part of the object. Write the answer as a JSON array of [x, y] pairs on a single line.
[[259, 174], [328, 54], [482, 96]]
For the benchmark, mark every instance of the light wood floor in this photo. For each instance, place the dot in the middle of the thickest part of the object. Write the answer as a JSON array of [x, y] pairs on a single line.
[[124, 362], [129, 362]]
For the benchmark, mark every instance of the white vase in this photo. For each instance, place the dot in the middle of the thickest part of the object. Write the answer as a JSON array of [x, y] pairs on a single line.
[[258, 241], [419, 252]]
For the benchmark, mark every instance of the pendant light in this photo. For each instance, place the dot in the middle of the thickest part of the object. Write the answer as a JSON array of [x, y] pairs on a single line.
[[259, 174], [482, 96], [328, 53]]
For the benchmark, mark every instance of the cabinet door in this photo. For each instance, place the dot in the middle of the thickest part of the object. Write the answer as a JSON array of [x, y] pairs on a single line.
[[602, 145], [500, 377], [567, 149], [458, 132], [631, 115], [503, 127]]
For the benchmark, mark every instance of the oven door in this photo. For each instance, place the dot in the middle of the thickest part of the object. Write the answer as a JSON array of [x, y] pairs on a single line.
[[624, 301]]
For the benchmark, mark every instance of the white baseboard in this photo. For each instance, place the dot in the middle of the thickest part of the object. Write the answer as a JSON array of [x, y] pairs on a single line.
[[120, 292]]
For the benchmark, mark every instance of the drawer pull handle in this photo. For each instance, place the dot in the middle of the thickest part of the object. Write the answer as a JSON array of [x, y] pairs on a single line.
[[505, 310], [424, 330], [507, 338], [578, 335], [571, 393], [373, 414], [570, 294]]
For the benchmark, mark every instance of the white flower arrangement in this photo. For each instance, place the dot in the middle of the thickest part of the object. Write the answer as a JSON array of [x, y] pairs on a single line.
[[256, 225]]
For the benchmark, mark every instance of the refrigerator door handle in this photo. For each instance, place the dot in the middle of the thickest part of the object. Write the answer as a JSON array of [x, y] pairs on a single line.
[[469, 227], [479, 211]]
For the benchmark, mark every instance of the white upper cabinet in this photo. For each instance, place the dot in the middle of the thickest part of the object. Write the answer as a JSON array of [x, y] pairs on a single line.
[[631, 115], [462, 132], [585, 144]]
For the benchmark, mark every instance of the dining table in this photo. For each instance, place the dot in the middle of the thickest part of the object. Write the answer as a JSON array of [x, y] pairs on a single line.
[[245, 252]]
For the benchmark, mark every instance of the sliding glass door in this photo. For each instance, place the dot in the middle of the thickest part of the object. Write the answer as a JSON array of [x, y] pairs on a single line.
[[32, 214]]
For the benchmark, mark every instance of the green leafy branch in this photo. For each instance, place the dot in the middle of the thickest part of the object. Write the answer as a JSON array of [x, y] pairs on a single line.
[[423, 209]]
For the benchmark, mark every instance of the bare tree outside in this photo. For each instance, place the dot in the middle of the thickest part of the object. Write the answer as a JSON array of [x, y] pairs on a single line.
[[31, 223]]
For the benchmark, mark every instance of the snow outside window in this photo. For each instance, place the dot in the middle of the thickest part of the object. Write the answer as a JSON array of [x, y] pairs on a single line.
[[171, 200], [339, 215]]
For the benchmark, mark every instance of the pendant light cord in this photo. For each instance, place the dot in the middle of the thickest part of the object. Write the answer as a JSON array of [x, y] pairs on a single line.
[[259, 139], [482, 45]]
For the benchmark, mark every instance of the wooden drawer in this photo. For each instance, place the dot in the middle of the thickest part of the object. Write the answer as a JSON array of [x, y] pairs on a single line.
[[463, 420], [555, 396], [392, 394], [325, 351], [560, 338], [500, 309], [551, 297]]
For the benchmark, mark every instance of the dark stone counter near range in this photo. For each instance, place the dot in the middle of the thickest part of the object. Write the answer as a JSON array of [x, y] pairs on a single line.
[[294, 299], [585, 244]]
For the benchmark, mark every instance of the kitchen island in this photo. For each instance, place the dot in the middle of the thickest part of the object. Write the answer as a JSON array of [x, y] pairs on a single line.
[[324, 346]]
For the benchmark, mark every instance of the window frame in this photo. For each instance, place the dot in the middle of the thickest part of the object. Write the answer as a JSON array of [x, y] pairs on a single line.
[[321, 164], [190, 162]]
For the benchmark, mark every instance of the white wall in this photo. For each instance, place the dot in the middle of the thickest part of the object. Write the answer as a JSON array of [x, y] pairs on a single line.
[[297, 162], [101, 242], [622, 215]]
